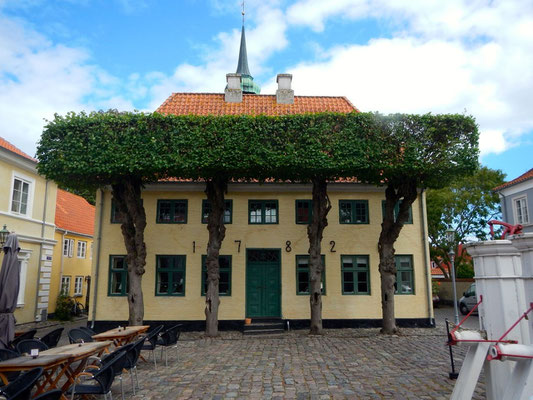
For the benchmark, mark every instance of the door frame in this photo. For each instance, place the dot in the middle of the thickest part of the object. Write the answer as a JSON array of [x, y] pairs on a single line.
[[246, 281]]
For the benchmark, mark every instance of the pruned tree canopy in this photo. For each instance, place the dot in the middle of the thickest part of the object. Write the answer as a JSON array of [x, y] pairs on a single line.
[[102, 147]]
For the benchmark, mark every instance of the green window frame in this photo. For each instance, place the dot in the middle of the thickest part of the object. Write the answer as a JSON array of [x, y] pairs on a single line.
[[355, 273], [304, 211], [396, 211], [224, 283], [404, 274], [170, 275], [118, 283], [263, 212], [228, 211], [353, 212], [303, 277], [171, 212], [115, 214]]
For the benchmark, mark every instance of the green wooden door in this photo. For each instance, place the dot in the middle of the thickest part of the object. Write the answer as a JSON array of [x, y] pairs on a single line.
[[263, 283]]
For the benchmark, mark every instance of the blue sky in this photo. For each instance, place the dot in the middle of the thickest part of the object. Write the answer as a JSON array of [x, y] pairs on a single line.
[[414, 56]]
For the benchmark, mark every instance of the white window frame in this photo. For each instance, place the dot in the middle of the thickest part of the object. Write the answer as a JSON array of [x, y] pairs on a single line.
[[65, 285], [78, 285], [23, 258], [82, 249], [68, 247], [31, 185], [516, 201]]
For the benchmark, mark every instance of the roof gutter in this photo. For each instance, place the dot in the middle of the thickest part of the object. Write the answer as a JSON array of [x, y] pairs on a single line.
[[43, 226], [98, 254]]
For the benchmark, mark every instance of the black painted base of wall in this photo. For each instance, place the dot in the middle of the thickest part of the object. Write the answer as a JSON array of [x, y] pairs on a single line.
[[238, 325]]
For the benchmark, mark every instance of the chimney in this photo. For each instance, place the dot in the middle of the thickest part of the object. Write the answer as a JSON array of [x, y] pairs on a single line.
[[233, 92], [284, 94]]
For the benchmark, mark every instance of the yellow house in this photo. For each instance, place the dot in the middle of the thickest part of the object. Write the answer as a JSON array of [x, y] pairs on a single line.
[[72, 259], [27, 207], [264, 270]]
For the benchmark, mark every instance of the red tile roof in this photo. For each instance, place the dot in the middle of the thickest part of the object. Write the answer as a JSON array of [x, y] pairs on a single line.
[[8, 146], [74, 213], [252, 104], [522, 178]]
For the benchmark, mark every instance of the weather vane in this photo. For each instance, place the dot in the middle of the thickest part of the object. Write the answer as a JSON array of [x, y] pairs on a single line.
[[242, 12]]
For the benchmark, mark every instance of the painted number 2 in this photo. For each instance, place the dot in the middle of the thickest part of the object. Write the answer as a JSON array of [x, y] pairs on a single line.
[[332, 244]]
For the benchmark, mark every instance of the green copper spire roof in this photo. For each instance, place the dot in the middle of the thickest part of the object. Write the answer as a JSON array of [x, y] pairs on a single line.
[[247, 81]]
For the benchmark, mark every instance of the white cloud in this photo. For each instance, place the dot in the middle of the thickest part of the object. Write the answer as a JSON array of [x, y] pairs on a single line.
[[445, 57], [39, 78]]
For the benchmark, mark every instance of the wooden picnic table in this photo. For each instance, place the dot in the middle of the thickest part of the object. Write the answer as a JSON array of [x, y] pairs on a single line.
[[58, 359], [121, 335]]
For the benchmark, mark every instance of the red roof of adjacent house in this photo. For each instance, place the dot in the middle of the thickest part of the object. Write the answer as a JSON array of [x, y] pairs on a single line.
[[8, 146], [252, 104], [522, 178], [74, 213]]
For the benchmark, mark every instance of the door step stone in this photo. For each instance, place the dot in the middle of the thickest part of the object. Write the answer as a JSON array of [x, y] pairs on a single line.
[[264, 328]]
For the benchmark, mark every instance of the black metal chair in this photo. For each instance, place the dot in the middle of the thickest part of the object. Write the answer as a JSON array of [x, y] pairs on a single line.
[[51, 395], [6, 354], [51, 339], [101, 380], [20, 388], [132, 357], [169, 338], [88, 330], [119, 366], [25, 346], [26, 335], [151, 338], [77, 336]]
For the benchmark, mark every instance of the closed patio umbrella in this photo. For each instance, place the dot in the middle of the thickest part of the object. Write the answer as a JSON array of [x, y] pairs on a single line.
[[9, 289]]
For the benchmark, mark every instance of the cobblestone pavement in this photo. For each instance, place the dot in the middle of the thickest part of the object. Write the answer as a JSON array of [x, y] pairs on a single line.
[[342, 364]]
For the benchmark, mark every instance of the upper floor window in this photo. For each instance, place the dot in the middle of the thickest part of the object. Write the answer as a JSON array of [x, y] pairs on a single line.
[[116, 217], [263, 211], [228, 210], [171, 211], [304, 211], [404, 274], [396, 211], [522, 215], [68, 247], [224, 283], [82, 249], [118, 276], [21, 195], [353, 211]]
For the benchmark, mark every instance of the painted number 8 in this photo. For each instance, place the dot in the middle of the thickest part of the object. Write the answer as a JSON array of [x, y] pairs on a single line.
[[288, 246]]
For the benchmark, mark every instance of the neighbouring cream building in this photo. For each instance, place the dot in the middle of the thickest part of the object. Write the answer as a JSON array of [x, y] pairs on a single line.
[[263, 264], [71, 273], [27, 207]]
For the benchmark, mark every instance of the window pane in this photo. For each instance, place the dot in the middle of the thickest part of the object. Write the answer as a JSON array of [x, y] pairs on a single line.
[[303, 282], [347, 262], [348, 287], [163, 282], [271, 213], [119, 263], [164, 211], [165, 262], [345, 212], [362, 282], [360, 212], [255, 213], [177, 282], [303, 211], [348, 276]]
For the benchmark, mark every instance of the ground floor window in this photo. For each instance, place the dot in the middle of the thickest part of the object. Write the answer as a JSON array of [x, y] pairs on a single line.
[[78, 285], [355, 274], [65, 285], [404, 274], [170, 276], [118, 276], [224, 284], [303, 277]]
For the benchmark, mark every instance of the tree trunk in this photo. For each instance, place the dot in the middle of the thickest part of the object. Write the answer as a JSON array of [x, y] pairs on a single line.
[[127, 196], [321, 207], [215, 190], [390, 230]]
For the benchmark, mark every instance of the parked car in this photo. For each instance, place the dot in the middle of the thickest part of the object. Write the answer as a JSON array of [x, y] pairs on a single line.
[[469, 300]]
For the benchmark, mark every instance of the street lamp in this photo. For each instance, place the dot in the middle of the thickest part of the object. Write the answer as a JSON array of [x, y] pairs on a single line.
[[3, 235], [450, 238]]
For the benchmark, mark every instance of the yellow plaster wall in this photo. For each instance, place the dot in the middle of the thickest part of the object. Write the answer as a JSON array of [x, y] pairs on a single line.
[[29, 229], [178, 239], [72, 266]]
